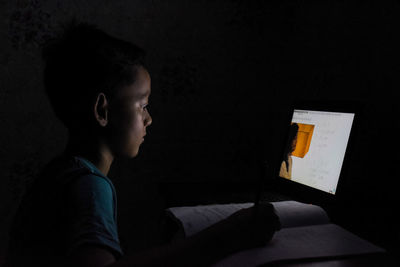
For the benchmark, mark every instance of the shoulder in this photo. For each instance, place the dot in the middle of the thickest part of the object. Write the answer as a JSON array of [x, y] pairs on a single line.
[[73, 175], [89, 181], [283, 165], [90, 188], [282, 171], [75, 183]]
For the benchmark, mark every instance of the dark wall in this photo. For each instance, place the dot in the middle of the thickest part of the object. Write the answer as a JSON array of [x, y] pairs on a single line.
[[223, 75]]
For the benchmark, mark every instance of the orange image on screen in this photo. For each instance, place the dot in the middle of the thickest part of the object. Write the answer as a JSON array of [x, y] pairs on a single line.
[[304, 136]]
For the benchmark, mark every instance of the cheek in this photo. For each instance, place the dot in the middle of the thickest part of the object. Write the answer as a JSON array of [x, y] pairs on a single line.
[[133, 138], [126, 134], [134, 130]]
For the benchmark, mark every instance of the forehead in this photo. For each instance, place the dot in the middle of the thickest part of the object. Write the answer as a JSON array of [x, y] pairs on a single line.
[[140, 89]]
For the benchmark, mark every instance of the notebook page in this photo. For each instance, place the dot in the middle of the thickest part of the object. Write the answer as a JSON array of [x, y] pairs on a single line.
[[306, 242]]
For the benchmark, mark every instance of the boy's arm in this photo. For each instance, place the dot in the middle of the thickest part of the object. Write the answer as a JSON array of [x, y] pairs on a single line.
[[239, 231], [199, 250], [90, 255]]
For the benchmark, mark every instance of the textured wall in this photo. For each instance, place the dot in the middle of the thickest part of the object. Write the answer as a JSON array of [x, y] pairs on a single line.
[[222, 73]]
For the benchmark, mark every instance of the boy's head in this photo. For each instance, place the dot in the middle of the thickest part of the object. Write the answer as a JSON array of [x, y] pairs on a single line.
[[294, 129], [98, 84]]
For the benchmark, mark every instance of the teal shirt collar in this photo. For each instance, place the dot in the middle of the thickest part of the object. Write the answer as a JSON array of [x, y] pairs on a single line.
[[90, 166]]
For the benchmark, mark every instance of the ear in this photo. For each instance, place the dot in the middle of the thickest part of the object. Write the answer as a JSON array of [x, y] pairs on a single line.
[[101, 109]]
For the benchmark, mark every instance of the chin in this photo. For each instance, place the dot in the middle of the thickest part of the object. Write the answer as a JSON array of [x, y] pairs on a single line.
[[134, 153], [129, 154]]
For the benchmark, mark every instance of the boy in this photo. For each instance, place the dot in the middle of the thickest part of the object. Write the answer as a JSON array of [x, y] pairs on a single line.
[[99, 88]]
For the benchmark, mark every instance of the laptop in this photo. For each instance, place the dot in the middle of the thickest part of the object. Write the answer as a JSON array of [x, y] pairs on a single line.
[[314, 159]]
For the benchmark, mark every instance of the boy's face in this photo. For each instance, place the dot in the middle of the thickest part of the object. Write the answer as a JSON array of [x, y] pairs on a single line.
[[129, 117]]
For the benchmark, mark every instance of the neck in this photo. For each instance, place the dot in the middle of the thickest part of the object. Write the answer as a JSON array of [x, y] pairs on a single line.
[[93, 149]]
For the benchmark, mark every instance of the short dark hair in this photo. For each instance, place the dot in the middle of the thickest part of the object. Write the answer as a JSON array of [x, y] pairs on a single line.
[[83, 62], [293, 130]]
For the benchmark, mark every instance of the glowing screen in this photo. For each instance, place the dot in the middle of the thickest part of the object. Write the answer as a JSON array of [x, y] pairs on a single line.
[[316, 147]]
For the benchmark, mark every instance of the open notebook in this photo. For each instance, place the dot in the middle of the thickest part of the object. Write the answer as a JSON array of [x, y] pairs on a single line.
[[307, 233]]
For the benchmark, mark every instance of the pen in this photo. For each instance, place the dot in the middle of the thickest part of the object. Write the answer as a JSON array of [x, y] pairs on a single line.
[[262, 173]]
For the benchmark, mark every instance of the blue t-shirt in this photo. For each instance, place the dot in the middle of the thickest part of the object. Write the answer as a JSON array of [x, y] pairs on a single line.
[[70, 204]]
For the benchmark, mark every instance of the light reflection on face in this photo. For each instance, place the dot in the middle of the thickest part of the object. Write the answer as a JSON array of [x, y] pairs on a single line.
[[129, 116]]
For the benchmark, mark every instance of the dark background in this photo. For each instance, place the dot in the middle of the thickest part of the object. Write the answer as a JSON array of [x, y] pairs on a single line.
[[224, 74]]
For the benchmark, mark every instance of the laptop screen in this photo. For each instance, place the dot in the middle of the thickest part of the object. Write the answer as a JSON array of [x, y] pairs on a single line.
[[315, 148]]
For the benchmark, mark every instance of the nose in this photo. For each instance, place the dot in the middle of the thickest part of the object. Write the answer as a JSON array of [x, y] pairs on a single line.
[[148, 120]]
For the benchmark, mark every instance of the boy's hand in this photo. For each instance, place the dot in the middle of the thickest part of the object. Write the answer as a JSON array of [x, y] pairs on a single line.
[[254, 226]]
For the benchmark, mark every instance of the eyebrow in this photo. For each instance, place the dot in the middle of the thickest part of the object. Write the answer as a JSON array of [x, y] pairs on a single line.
[[143, 95]]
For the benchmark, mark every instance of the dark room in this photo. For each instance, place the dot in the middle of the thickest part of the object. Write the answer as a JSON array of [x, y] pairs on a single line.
[[199, 128]]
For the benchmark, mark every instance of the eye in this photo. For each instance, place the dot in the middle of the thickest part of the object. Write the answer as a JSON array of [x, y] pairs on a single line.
[[144, 107]]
